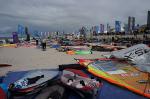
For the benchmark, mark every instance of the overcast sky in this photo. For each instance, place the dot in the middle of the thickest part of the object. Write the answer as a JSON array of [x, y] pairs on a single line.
[[68, 15]]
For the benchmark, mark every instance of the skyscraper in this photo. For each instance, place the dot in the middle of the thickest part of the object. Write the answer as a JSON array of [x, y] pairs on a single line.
[[27, 34], [108, 28], [148, 20], [117, 26], [126, 28], [102, 28], [131, 23]]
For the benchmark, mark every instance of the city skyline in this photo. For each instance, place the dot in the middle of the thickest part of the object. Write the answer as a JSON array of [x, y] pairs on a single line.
[[69, 15]]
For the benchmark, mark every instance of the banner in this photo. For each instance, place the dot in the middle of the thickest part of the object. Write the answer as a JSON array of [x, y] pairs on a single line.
[[117, 26]]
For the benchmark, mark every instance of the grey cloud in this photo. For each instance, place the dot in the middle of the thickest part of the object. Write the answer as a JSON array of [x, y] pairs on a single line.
[[69, 15]]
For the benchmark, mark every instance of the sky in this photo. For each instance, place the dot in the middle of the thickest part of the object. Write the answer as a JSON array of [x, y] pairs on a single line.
[[68, 15]]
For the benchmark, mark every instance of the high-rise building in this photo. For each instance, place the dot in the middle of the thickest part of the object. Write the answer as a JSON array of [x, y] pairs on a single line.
[[108, 28], [117, 26], [15, 37], [126, 28], [27, 34], [148, 19], [131, 23], [26, 30], [102, 28]]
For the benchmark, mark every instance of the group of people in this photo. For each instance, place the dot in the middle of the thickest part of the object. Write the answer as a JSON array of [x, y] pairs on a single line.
[[43, 44]]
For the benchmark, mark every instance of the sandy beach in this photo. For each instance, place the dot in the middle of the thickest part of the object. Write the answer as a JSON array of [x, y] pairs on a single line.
[[23, 59]]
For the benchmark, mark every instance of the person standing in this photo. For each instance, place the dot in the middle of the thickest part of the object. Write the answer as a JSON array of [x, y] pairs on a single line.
[[44, 44], [37, 42]]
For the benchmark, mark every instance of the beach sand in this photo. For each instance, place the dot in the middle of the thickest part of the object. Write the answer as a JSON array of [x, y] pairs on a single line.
[[23, 59]]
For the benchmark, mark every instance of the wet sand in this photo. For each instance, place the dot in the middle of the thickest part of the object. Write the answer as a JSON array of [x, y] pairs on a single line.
[[23, 59]]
